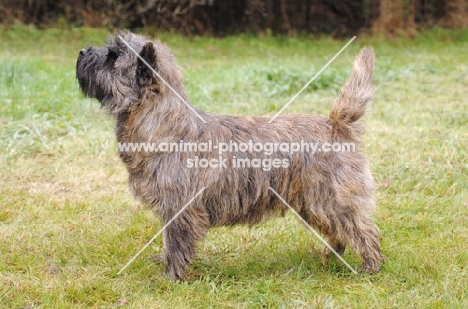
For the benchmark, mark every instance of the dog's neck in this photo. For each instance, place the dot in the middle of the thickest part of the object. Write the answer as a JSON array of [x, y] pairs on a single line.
[[168, 118]]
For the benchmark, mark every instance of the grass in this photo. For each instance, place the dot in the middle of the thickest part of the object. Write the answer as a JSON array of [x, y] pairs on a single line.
[[68, 222]]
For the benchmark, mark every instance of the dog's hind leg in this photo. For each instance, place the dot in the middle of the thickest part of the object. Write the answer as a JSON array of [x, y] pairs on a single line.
[[364, 239], [355, 227]]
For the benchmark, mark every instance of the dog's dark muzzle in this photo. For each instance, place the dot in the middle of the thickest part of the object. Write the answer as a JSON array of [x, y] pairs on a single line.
[[90, 60], [88, 51]]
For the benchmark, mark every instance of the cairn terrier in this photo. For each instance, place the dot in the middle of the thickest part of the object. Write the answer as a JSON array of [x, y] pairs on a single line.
[[332, 191]]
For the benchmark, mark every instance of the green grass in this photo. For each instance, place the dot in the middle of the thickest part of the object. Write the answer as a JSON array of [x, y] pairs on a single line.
[[68, 222]]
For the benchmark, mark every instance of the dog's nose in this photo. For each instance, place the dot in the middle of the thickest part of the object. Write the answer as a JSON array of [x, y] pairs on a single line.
[[83, 52]]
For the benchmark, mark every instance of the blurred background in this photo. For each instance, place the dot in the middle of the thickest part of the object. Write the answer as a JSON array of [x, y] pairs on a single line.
[[212, 17]]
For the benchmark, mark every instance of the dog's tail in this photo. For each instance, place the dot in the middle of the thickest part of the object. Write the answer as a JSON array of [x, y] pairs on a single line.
[[355, 95]]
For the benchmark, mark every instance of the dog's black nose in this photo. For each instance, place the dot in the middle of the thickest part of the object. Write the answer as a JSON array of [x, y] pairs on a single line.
[[83, 52]]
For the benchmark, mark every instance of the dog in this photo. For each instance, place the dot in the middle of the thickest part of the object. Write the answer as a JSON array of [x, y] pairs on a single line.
[[331, 191]]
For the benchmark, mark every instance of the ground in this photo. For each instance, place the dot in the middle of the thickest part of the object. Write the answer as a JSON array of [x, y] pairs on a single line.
[[68, 222]]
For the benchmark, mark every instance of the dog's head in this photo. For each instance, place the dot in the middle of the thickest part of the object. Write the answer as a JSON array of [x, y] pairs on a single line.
[[119, 79]]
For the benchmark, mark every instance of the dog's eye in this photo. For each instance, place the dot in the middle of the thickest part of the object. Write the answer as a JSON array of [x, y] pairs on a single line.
[[112, 56]]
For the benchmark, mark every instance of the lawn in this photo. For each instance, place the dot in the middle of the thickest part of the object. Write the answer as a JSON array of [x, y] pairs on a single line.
[[68, 222]]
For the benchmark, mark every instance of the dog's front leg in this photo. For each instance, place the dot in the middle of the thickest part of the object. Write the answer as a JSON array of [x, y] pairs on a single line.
[[180, 238]]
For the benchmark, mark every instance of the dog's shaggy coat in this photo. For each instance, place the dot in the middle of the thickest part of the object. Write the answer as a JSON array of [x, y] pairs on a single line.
[[332, 191]]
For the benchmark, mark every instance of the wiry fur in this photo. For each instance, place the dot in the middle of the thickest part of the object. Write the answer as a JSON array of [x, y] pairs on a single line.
[[333, 191]]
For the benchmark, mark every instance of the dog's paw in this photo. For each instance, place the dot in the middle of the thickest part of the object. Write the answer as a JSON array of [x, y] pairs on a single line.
[[339, 248], [158, 258], [369, 268], [174, 275]]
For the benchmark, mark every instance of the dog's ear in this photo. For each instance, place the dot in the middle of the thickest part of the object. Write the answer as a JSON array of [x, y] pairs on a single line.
[[145, 74]]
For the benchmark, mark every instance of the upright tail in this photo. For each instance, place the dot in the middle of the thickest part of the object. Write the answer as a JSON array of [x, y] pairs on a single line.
[[355, 95]]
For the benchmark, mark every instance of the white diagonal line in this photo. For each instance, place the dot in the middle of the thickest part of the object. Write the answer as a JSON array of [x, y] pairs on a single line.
[[160, 231], [316, 234], [310, 81], [164, 81]]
